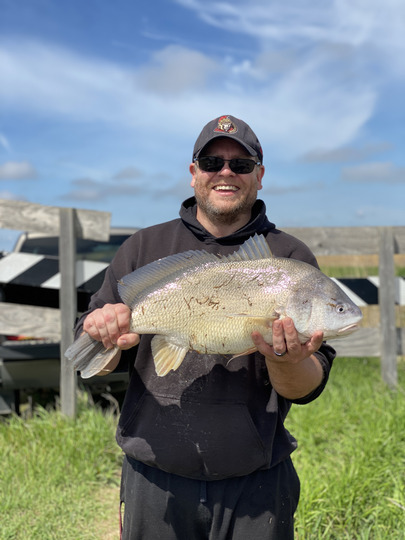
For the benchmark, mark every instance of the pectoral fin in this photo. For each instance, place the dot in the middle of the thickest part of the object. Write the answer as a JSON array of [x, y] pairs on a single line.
[[167, 356], [260, 320], [256, 322]]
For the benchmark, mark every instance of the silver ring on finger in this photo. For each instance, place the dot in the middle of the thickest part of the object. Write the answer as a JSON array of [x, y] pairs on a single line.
[[280, 354]]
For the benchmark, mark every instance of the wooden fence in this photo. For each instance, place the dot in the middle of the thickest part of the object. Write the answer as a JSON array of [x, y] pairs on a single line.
[[68, 224], [386, 341]]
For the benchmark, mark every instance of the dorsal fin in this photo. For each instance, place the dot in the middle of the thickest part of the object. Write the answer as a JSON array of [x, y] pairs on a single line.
[[254, 248], [148, 277]]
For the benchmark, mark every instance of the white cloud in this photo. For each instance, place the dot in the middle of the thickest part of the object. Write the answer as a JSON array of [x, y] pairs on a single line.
[[279, 21], [307, 107], [375, 172], [373, 29], [343, 21], [287, 188], [87, 189], [175, 70], [46, 78], [17, 171], [293, 110], [129, 173], [52, 81], [11, 196], [344, 154]]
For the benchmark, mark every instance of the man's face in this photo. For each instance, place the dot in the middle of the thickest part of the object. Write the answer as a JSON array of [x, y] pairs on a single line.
[[224, 196]]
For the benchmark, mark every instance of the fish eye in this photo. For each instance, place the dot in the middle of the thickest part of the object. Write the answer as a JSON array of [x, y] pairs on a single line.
[[340, 308]]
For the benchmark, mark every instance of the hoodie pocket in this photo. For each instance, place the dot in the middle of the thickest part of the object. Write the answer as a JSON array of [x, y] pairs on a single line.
[[189, 438]]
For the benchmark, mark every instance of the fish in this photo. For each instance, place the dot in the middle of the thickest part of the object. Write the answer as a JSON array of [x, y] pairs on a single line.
[[212, 303]]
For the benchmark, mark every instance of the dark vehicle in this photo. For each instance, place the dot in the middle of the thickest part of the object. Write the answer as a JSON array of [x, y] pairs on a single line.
[[30, 367]]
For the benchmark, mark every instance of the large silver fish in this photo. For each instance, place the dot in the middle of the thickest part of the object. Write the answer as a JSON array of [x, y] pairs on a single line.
[[211, 304]]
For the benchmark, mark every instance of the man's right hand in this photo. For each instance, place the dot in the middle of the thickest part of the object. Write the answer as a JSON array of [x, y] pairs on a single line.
[[110, 324]]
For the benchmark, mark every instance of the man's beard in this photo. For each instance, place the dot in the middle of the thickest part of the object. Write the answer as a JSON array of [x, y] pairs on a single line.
[[223, 216]]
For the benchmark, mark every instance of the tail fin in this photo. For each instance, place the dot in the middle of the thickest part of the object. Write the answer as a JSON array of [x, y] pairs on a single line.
[[89, 356]]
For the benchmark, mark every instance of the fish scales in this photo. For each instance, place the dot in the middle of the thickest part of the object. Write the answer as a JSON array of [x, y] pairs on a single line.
[[209, 305], [212, 304]]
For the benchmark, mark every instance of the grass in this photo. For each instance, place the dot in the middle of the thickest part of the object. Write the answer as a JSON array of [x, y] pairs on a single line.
[[59, 478], [351, 457], [356, 271], [57, 475], [349, 271]]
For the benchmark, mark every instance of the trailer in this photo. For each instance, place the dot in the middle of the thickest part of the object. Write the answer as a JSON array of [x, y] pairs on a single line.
[[29, 289]]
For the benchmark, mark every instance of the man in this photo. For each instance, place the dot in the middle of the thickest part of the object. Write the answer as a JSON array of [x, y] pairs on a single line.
[[206, 452]]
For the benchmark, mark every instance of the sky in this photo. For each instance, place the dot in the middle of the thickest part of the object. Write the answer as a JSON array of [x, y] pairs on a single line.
[[101, 102]]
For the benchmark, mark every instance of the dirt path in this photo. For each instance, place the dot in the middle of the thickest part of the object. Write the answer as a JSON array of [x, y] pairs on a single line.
[[107, 523]]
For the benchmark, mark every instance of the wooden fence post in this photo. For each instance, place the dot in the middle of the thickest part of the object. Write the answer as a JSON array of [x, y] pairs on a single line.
[[68, 306], [386, 300]]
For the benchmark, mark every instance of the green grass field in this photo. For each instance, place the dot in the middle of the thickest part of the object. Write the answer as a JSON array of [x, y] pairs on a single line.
[[59, 478], [351, 456], [56, 476]]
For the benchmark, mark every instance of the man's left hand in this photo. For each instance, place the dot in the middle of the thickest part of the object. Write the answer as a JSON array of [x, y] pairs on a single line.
[[286, 343]]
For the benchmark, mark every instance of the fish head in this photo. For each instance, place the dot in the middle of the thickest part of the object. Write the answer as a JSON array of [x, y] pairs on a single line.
[[320, 304]]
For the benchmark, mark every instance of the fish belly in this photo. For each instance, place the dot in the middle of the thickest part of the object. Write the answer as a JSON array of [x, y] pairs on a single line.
[[227, 335]]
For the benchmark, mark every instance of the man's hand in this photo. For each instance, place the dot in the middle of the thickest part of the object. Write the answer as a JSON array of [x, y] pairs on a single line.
[[297, 372], [286, 343], [110, 324]]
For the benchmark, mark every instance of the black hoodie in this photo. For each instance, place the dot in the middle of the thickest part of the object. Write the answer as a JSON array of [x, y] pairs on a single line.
[[209, 419]]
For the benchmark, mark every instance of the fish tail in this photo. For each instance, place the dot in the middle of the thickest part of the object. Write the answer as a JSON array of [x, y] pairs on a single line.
[[89, 356]]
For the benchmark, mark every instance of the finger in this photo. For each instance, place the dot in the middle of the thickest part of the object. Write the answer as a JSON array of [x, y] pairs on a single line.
[[123, 314], [290, 331], [262, 347], [279, 344], [106, 323], [126, 341], [315, 342], [90, 326], [291, 336]]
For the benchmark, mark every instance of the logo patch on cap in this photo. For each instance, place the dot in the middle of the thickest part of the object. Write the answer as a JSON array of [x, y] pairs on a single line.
[[225, 125]]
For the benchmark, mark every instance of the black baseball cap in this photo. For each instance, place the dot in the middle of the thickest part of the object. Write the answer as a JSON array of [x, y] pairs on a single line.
[[233, 128]]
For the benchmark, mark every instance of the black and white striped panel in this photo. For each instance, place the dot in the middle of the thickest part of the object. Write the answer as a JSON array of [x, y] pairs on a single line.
[[40, 271], [364, 291]]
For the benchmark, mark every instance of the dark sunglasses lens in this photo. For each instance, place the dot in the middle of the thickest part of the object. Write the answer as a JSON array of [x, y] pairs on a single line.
[[210, 163], [215, 164], [242, 166]]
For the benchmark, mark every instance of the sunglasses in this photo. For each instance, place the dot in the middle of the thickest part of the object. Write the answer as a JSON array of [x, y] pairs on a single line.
[[237, 165]]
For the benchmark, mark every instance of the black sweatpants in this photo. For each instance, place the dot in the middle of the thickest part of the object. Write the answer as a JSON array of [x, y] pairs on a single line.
[[162, 506]]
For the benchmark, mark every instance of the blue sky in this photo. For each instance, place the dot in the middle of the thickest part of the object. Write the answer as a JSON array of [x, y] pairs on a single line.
[[101, 102]]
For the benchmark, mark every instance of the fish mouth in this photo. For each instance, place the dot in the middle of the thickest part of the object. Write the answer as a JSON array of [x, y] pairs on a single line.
[[348, 329]]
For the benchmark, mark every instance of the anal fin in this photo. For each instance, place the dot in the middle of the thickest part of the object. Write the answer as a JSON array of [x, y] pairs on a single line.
[[243, 353], [167, 356]]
